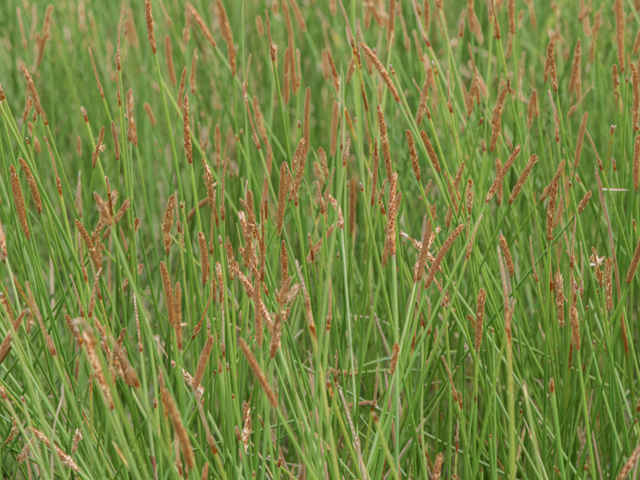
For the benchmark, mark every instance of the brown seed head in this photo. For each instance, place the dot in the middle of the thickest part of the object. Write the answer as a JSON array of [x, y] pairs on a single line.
[[282, 197], [620, 26], [575, 81], [129, 373], [192, 13], [168, 56], [394, 358], [374, 172], [634, 263], [298, 164], [152, 117], [18, 200], [532, 109], [441, 253], [35, 194], [581, 130], [258, 373], [413, 155], [187, 129], [272, 47], [636, 164], [575, 328], [202, 362], [180, 431], [437, 465], [192, 75], [117, 57], [352, 206], [383, 73], [507, 255], [501, 174], [550, 65], [95, 72], [432, 153], [168, 222], [583, 203], [608, 284], [150, 31], [204, 257], [424, 253], [495, 127], [31, 88], [482, 297], [99, 148], [633, 459], [225, 29], [556, 177], [96, 368], [523, 178], [551, 209], [559, 287]]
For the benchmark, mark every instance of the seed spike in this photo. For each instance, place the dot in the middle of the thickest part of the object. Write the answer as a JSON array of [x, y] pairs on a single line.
[[35, 193], [150, 30], [482, 296], [523, 178], [441, 253], [18, 200], [620, 27], [383, 72], [192, 13], [258, 373], [430, 151], [581, 130]]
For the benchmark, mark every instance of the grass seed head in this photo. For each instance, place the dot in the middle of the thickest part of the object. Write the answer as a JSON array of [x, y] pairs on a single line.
[[150, 31], [551, 209], [636, 164], [258, 373], [581, 130], [202, 362], [394, 358], [608, 284], [168, 56], [620, 27], [383, 72], [225, 29], [559, 288], [532, 108], [575, 81], [441, 253], [116, 143], [18, 201], [523, 178], [634, 263], [482, 297], [584, 202], [95, 72], [633, 459], [187, 129], [352, 206], [413, 155], [507, 255], [193, 14], [550, 65], [35, 193], [430, 151]]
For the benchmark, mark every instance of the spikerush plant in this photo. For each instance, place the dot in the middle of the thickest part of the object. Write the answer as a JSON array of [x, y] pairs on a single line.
[[271, 271]]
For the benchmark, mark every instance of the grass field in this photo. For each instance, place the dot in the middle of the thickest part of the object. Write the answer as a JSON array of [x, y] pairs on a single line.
[[275, 239]]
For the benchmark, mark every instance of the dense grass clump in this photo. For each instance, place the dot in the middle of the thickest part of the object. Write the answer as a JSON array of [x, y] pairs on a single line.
[[319, 239]]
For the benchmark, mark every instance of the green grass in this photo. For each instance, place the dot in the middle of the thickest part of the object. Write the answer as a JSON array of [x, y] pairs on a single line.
[[341, 410]]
